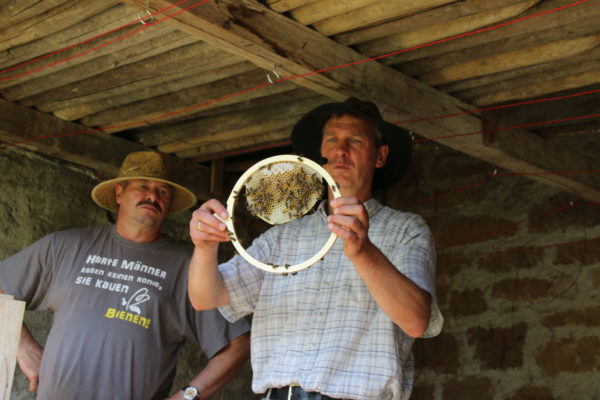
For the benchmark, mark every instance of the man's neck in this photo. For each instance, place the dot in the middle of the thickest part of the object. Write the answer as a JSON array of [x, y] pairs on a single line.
[[138, 234]]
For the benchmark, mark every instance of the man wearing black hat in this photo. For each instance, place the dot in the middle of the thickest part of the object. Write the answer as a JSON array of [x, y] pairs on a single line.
[[344, 328], [118, 292]]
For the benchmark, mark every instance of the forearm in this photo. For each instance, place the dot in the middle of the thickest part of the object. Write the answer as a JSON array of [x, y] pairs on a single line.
[[222, 367], [29, 356], [28, 348], [400, 298], [205, 285]]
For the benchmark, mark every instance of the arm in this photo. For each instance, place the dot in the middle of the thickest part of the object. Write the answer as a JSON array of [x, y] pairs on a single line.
[[29, 356], [221, 368], [205, 285], [400, 298]]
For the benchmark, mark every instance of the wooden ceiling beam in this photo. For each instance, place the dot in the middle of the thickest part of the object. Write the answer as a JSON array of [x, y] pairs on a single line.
[[164, 85], [243, 145], [591, 128], [287, 5], [472, 88], [51, 21], [371, 14], [220, 127], [326, 9], [505, 45], [540, 88], [245, 28], [576, 15], [449, 13], [442, 29], [512, 60], [170, 65], [45, 134], [174, 105], [132, 49], [13, 12]]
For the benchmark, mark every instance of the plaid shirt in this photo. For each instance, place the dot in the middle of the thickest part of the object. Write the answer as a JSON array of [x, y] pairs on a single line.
[[321, 328]]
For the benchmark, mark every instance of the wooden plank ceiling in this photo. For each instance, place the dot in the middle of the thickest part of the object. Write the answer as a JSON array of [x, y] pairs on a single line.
[[219, 84]]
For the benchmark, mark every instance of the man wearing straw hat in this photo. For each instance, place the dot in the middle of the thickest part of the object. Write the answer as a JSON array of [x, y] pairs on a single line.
[[118, 292], [344, 328]]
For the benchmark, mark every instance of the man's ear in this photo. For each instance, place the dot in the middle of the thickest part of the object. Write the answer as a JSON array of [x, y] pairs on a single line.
[[382, 155], [118, 193]]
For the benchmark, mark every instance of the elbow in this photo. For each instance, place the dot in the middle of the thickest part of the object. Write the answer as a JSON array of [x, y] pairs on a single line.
[[419, 325], [417, 330], [200, 301], [196, 302]]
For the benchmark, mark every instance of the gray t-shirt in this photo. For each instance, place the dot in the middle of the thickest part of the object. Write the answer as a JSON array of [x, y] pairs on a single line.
[[121, 312]]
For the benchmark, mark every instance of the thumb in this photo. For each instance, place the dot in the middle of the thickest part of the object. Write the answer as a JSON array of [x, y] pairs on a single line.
[[33, 385]]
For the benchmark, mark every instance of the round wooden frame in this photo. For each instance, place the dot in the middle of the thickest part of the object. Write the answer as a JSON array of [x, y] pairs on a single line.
[[281, 269]]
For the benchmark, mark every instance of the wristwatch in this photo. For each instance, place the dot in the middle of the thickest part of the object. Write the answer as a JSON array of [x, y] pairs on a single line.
[[190, 393]]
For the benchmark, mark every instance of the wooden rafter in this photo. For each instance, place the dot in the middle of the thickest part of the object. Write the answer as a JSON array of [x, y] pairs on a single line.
[[245, 28], [73, 142]]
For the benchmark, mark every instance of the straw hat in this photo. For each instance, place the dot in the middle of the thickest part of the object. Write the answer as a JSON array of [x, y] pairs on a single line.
[[142, 165], [308, 134]]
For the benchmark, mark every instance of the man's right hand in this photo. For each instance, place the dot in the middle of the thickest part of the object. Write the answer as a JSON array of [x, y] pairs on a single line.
[[205, 285], [205, 228], [29, 358]]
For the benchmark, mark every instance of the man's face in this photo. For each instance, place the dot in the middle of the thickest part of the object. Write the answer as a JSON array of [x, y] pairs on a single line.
[[349, 146], [144, 201]]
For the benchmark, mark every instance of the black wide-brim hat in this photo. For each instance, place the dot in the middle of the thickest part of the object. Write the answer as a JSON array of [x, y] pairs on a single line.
[[307, 135]]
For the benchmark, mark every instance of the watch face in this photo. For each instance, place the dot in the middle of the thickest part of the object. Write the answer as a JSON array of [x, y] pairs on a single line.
[[190, 393]]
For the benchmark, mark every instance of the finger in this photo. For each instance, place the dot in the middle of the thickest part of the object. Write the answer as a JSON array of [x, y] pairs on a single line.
[[347, 222], [341, 201], [214, 206], [206, 218], [211, 223], [219, 230], [348, 236]]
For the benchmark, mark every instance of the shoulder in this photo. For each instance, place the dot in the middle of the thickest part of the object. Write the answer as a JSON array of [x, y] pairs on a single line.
[[81, 233], [392, 215], [405, 224]]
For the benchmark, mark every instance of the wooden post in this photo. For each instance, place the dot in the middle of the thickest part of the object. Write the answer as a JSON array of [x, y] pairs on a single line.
[[217, 172], [11, 321]]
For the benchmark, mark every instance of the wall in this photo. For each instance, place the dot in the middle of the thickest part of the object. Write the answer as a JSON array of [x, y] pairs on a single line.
[[518, 273], [518, 277], [39, 196]]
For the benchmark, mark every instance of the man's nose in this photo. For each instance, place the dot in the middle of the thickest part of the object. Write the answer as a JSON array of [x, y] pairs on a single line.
[[341, 148], [151, 194]]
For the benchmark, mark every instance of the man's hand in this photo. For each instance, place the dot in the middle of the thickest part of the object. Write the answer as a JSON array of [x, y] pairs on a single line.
[[350, 221], [29, 358], [206, 230], [205, 286]]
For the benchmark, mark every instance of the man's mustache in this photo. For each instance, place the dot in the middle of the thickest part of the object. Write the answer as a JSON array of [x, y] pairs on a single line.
[[150, 203]]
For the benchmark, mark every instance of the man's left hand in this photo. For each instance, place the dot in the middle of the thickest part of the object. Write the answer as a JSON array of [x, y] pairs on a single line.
[[350, 221]]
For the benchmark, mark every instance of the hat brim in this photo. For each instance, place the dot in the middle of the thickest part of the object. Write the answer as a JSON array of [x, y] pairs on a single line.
[[103, 194], [307, 135]]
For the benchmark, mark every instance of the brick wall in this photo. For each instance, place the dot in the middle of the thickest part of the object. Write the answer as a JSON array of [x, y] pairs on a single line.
[[518, 277]]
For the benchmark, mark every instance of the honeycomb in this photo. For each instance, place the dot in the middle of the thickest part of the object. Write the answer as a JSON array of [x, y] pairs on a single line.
[[282, 191]]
